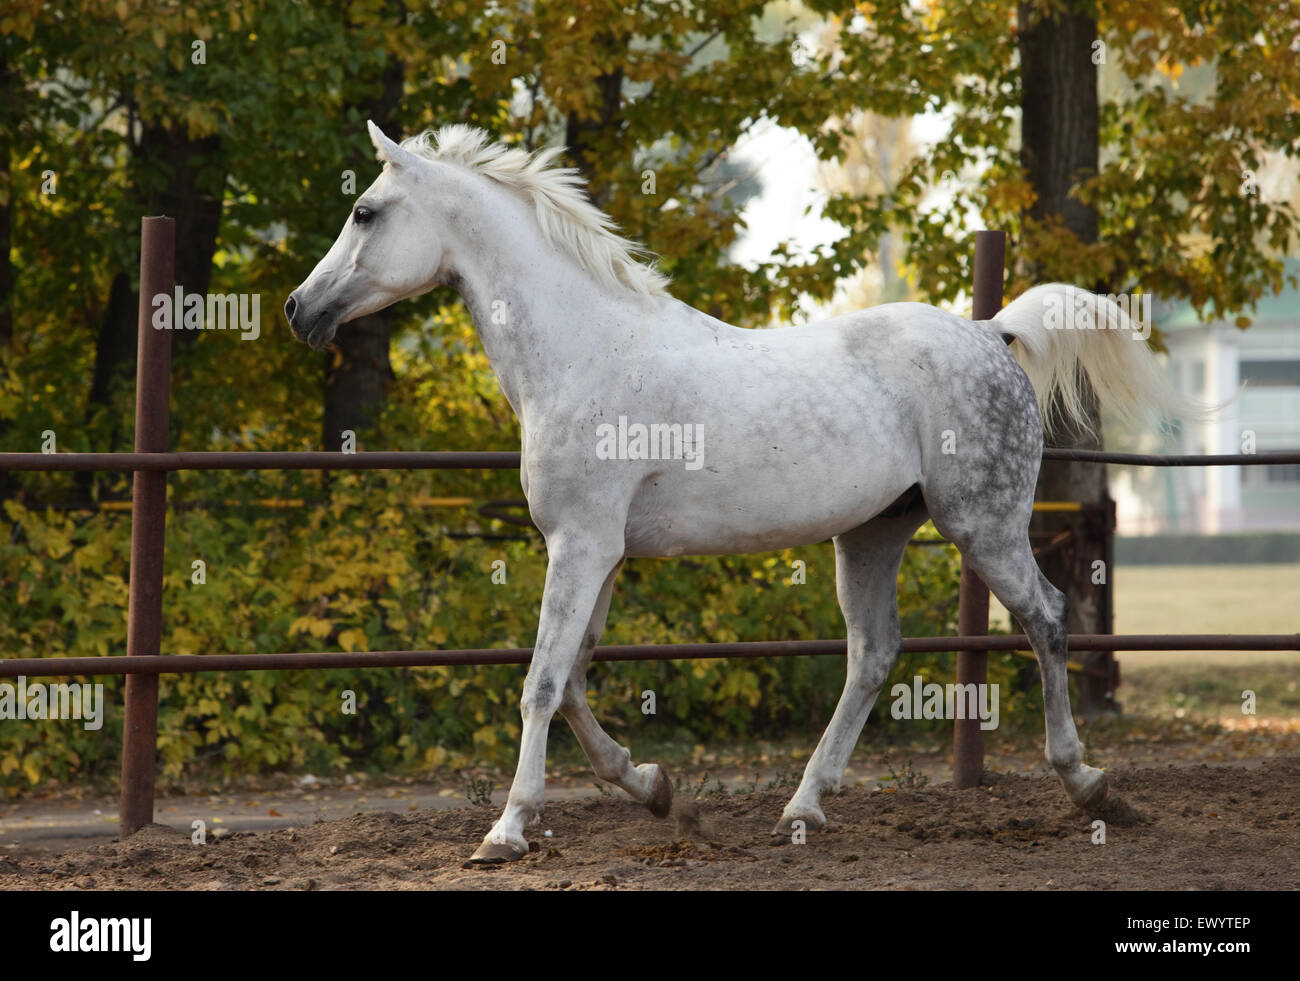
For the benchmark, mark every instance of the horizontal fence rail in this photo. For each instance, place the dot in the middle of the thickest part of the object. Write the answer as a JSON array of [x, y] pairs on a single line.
[[262, 460], [50, 667], [1175, 459], [486, 460]]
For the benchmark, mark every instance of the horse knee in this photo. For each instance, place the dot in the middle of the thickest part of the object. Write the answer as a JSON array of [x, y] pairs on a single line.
[[869, 671], [541, 696]]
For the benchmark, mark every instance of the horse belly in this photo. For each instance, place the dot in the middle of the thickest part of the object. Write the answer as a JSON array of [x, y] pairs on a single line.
[[708, 514]]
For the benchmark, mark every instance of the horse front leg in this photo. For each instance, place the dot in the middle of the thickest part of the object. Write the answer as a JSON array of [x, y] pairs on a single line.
[[576, 573], [648, 783]]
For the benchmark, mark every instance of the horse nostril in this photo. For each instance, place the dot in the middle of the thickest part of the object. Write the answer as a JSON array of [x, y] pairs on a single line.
[[290, 308]]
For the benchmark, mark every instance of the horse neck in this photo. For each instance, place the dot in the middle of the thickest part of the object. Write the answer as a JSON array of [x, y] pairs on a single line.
[[537, 312]]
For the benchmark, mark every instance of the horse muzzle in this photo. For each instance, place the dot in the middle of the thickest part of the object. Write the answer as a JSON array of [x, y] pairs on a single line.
[[315, 328]]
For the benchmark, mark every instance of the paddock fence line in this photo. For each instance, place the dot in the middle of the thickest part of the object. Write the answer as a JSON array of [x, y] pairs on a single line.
[[155, 664], [150, 463], [495, 460]]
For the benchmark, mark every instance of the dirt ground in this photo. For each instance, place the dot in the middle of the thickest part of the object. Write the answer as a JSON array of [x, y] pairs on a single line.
[[1199, 827]]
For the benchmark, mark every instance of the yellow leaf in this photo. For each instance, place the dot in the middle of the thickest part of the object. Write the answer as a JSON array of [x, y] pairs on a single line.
[[353, 640]]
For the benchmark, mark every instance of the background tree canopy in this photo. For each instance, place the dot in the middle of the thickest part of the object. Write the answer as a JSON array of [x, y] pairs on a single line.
[[245, 121]]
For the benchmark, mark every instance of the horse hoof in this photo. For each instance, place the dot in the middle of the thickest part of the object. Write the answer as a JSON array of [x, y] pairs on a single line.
[[785, 827], [661, 798], [495, 853], [1093, 797]]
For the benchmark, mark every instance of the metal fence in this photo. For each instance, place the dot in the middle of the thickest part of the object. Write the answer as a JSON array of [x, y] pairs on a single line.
[[151, 463]]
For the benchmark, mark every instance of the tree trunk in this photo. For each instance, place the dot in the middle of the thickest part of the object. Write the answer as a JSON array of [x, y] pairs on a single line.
[[1059, 114], [578, 132], [358, 368], [1059, 148], [9, 96], [192, 194], [114, 348], [356, 377]]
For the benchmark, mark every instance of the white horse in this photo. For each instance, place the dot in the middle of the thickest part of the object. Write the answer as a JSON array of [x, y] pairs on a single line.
[[652, 429]]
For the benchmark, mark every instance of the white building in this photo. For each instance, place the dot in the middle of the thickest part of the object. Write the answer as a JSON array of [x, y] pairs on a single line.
[[1210, 361]]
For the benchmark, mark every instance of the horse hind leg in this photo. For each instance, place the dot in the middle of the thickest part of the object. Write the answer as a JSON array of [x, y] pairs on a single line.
[[866, 580], [1005, 561], [980, 491]]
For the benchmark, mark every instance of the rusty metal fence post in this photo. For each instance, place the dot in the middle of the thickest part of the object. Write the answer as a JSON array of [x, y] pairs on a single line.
[[148, 522], [973, 595]]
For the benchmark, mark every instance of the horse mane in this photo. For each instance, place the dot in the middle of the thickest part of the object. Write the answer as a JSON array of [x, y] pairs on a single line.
[[567, 218]]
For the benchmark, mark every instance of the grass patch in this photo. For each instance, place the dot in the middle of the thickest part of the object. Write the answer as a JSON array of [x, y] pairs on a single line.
[[1203, 692]]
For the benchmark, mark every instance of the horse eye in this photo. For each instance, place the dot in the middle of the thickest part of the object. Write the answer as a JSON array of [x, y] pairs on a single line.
[[362, 215]]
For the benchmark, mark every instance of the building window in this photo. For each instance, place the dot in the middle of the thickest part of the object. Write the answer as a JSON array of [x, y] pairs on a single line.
[[1275, 475], [1271, 374]]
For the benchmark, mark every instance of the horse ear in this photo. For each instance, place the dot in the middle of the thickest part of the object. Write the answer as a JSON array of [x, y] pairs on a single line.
[[387, 151]]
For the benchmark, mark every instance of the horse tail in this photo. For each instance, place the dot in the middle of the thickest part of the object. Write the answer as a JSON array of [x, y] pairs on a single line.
[[1060, 333]]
